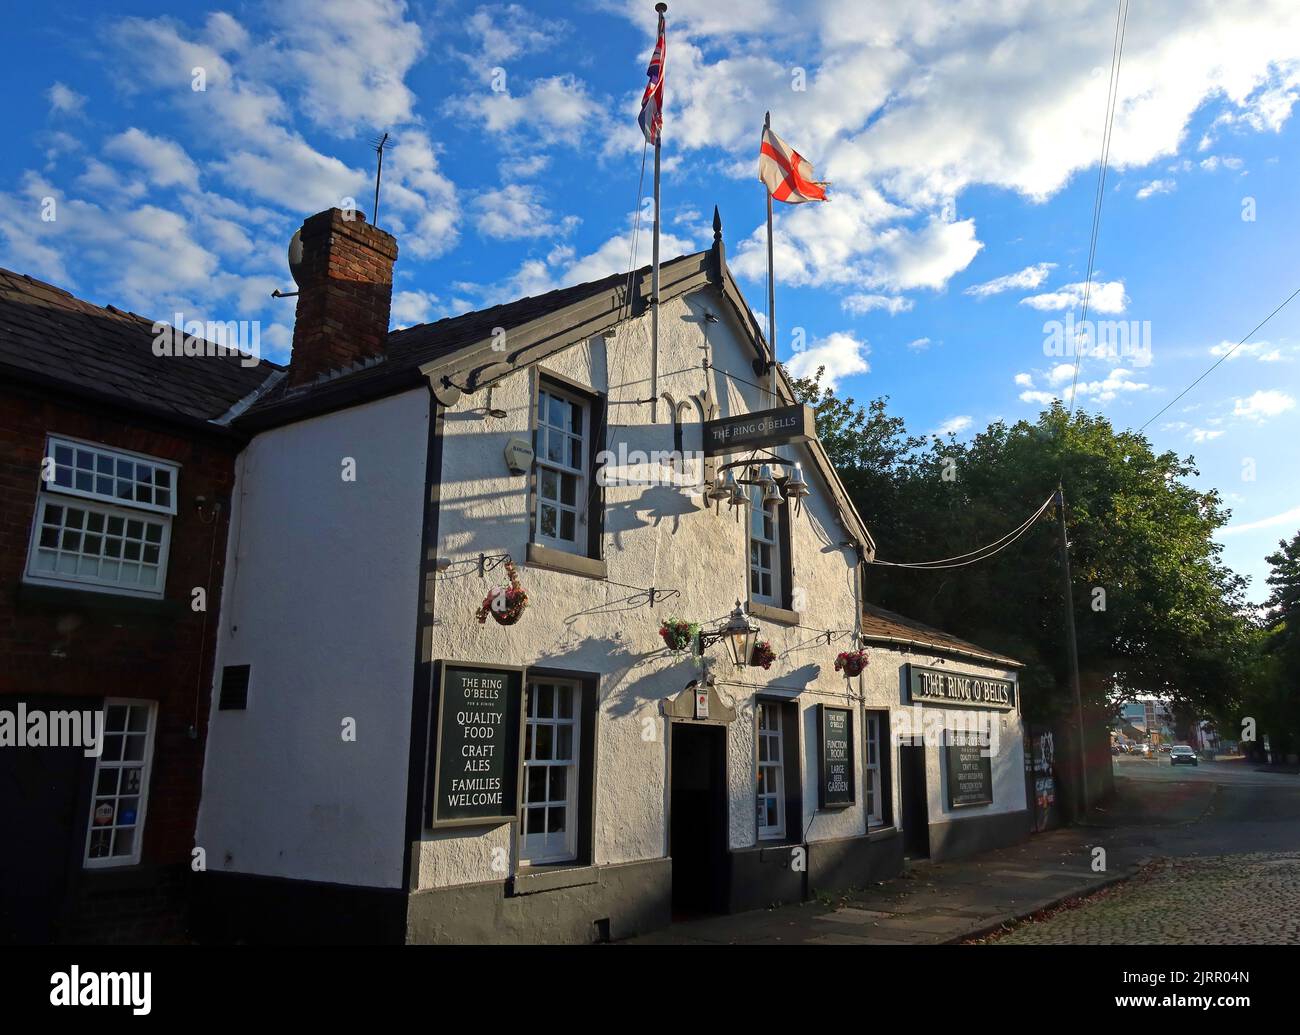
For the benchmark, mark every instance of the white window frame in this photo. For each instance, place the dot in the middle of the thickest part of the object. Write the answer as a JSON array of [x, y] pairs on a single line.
[[146, 770], [871, 767], [759, 513], [542, 430], [107, 506], [533, 852], [773, 738]]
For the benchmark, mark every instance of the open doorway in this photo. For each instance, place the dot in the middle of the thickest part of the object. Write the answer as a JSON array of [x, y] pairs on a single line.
[[697, 837], [916, 809]]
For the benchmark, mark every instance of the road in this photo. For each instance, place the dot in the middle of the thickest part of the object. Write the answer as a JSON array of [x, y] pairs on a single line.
[[1228, 841]]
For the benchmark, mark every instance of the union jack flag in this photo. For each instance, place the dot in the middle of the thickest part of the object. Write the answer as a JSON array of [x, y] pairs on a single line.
[[652, 101]]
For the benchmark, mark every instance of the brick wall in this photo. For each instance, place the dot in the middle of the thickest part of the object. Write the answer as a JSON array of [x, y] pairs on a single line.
[[67, 642]]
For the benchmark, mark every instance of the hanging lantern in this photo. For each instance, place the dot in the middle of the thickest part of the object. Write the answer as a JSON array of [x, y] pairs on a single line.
[[741, 633]]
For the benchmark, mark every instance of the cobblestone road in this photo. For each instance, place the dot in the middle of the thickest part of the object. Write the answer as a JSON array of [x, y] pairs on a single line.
[[1225, 900]]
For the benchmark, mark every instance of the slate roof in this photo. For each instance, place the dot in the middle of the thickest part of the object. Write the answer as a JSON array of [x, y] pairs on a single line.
[[881, 625], [49, 336]]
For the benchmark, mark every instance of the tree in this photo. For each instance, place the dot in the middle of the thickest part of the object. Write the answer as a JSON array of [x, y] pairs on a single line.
[[1156, 610]]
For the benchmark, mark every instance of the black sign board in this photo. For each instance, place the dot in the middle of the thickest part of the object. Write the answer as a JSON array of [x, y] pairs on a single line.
[[956, 689], [835, 743], [477, 765], [970, 773], [759, 430]]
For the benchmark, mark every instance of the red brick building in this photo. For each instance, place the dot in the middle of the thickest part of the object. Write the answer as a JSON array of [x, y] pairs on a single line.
[[116, 467]]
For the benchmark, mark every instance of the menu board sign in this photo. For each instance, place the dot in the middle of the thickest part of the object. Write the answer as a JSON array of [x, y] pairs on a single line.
[[476, 767], [970, 774], [835, 743]]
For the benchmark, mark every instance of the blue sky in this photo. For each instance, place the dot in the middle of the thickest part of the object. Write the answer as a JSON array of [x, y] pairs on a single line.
[[961, 141]]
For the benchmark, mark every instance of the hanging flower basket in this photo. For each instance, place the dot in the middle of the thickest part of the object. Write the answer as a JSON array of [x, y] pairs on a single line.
[[851, 662], [505, 604], [678, 633], [763, 654]]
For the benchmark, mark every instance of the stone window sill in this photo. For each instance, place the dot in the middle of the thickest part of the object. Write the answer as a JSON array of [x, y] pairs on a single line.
[[532, 880], [770, 613], [569, 563]]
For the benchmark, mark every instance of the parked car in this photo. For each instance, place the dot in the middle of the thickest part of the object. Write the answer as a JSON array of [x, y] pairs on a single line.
[[1181, 754]]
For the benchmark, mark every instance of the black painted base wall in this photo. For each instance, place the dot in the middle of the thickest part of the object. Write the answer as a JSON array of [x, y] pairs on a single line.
[[764, 877], [962, 837], [238, 908], [618, 902]]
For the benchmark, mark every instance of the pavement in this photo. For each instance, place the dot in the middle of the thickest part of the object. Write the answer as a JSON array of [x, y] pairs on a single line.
[[1221, 832]]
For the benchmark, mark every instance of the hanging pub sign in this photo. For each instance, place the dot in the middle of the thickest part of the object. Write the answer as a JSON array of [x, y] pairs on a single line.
[[759, 430], [970, 773], [476, 770], [835, 744], [956, 689]]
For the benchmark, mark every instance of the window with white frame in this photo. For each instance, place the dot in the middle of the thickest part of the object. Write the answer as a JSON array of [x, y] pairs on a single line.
[[875, 804], [764, 550], [560, 447], [121, 789], [549, 827], [771, 772], [103, 519]]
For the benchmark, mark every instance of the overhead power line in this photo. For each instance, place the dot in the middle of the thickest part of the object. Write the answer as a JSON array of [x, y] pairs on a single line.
[[983, 553], [1112, 99], [1226, 355]]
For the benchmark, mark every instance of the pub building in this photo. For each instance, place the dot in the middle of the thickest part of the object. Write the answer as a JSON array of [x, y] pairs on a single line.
[[530, 626]]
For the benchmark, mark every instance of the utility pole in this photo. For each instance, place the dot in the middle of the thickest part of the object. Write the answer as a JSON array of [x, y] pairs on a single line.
[[1072, 644]]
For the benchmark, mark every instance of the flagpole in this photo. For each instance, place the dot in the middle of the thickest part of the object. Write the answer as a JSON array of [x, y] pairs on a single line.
[[654, 269], [771, 280]]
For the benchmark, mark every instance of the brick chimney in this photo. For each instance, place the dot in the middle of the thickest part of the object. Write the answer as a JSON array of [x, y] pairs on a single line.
[[345, 289]]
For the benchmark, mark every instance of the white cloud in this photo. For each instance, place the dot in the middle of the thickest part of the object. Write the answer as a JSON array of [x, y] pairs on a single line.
[[515, 211], [1263, 404], [841, 354], [927, 257], [1060, 374], [1023, 280], [919, 344], [412, 307], [503, 32], [1154, 187], [1105, 297], [1025, 380], [1041, 398], [559, 107], [1205, 435], [1289, 518], [64, 100], [163, 161], [953, 426], [1263, 351], [348, 60], [860, 305]]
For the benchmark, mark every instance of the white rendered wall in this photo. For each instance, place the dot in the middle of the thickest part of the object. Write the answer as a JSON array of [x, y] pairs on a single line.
[[320, 598], [659, 536], [885, 687]]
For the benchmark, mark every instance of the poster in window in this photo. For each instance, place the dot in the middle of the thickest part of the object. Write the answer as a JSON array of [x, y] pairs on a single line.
[[836, 784], [477, 760]]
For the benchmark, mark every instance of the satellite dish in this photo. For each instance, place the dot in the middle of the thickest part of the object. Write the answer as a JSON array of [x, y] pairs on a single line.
[[295, 256]]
